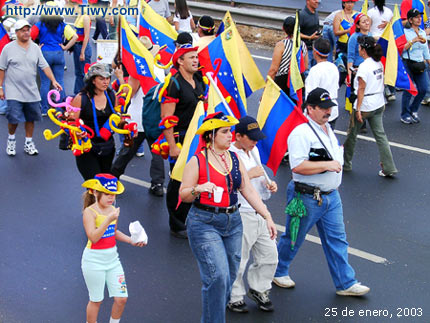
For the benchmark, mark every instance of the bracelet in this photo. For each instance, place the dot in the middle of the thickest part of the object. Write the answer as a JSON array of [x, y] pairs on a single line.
[[1, 87]]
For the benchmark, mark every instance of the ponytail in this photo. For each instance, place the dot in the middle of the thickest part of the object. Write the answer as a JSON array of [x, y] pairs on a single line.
[[88, 199], [375, 52]]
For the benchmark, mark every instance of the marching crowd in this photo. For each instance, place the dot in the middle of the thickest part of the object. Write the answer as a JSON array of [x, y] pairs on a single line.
[[219, 204]]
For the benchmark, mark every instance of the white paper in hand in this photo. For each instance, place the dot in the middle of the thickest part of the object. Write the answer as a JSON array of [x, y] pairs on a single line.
[[137, 232]]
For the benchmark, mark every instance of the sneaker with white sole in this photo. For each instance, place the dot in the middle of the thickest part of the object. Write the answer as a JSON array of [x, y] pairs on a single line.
[[415, 117], [284, 282], [391, 98], [355, 290], [238, 307], [11, 147], [30, 148], [407, 120], [262, 299]]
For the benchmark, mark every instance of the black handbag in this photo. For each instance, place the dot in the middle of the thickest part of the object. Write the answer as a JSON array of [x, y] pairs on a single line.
[[103, 148], [414, 66]]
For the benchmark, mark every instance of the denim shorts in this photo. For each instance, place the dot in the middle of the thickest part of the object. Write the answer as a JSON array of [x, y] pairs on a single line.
[[102, 267], [18, 112]]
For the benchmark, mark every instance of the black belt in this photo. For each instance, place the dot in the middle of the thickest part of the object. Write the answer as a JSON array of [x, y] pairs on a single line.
[[216, 209], [308, 189]]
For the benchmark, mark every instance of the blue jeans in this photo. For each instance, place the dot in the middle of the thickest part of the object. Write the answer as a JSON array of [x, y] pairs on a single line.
[[311, 61], [216, 242], [79, 66], [3, 106], [56, 62], [420, 81], [329, 35], [329, 221]]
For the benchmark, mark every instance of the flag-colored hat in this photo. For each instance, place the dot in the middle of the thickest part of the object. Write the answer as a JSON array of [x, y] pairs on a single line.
[[105, 183], [216, 120], [182, 50]]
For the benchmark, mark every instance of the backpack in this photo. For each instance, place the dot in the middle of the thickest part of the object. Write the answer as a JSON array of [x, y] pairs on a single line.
[[151, 111]]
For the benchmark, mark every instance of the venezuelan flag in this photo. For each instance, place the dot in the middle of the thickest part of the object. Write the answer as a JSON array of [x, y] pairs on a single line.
[[348, 103], [159, 30], [364, 7], [396, 74], [4, 37], [277, 117], [252, 78], [295, 80], [399, 33], [136, 58], [221, 58], [192, 143], [407, 5]]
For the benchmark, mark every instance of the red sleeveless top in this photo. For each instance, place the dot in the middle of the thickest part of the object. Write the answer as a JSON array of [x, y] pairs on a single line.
[[219, 179]]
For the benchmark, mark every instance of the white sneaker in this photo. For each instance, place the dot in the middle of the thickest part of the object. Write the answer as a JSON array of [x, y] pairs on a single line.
[[355, 290], [11, 147], [141, 154], [30, 148], [284, 282]]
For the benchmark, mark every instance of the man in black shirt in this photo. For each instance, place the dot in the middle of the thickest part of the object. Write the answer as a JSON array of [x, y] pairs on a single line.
[[181, 103], [309, 27]]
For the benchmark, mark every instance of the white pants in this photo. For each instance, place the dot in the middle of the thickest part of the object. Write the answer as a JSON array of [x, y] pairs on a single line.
[[256, 238]]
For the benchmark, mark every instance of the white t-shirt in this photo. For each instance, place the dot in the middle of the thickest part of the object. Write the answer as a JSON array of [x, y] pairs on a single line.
[[324, 75], [300, 142], [136, 102], [184, 24], [372, 73], [259, 183], [377, 19]]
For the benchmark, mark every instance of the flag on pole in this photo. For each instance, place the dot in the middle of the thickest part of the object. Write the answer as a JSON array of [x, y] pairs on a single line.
[[192, 143], [138, 61], [277, 117], [159, 30], [221, 58], [399, 33], [394, 71], [297, 67], [364, 7]]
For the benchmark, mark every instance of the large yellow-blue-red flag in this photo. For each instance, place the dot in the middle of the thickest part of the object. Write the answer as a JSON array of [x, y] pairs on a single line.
[[159, 30], [277, 117], [252, 78], [394, 71], [138, 61], [221, 58]]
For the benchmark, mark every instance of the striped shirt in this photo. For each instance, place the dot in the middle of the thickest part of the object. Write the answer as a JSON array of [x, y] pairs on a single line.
[[284, 67]]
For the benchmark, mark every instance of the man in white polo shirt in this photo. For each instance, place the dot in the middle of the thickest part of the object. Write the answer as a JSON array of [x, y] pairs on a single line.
[[316, 162], [256, 237]]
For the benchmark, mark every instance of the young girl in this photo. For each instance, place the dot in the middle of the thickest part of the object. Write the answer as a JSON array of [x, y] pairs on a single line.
[[100, 262], [183, 19]]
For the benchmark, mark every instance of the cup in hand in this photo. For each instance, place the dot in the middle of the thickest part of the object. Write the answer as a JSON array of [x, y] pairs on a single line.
[[218, 194]]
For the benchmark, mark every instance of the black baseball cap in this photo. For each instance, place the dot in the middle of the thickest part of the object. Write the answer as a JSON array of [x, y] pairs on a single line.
[[414, 13], [320, 97], [184, 38], [249, 126]]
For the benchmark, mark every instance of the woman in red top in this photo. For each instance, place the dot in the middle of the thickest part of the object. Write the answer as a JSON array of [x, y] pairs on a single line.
[[215, 229]]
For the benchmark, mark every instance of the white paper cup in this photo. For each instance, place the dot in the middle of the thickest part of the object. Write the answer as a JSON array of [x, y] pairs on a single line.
[[218, 194]]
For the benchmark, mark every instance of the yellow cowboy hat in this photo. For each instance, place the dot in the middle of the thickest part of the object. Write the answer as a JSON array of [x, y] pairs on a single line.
[[216, 120], [105, 183]]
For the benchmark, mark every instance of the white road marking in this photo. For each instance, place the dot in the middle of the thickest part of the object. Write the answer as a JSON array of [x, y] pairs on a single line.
[[281, 228], [262, 57], [351, 251]]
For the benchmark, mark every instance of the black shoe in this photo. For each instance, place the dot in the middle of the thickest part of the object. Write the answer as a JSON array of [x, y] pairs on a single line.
[[179, 234], [238, 307], [156, 189], [262, 300]]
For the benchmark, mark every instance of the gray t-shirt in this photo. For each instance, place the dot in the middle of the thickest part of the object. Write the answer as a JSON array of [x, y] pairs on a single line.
[[20, 66], [161, 7]]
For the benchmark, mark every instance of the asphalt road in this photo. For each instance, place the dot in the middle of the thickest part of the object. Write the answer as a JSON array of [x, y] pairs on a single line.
[[42, 238]]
